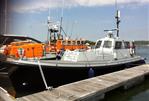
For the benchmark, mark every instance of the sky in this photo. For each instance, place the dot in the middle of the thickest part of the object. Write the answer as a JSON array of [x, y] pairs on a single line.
[[81, 18]]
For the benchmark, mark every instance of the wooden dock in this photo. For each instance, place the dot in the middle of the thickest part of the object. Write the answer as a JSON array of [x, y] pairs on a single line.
[[92, 89]]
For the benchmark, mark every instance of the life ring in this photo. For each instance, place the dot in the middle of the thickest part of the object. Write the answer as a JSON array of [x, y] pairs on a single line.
[[132, 50]]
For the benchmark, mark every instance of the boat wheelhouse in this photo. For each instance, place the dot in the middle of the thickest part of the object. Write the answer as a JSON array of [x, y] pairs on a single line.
[[106, 49]]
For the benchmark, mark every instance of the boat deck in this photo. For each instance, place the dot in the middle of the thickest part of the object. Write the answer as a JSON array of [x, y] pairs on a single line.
[[92, 89]]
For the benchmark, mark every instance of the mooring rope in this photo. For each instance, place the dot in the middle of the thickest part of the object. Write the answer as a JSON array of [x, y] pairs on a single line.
[[43, 77]]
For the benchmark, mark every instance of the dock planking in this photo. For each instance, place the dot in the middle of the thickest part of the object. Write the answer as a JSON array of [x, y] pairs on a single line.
[[92, 89]]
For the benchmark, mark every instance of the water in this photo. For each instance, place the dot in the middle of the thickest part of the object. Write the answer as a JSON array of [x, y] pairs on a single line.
[[144, 52], [137, 93]]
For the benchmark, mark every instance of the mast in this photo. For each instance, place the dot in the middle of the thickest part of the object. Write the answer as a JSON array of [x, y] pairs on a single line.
[[61, 22], [55, 28], [117, 17]]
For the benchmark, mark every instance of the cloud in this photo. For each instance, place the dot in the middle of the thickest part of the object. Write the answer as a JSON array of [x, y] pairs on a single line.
[[32, 6]]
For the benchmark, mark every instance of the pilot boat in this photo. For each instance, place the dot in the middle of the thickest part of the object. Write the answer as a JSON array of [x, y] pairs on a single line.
[[109, 54]]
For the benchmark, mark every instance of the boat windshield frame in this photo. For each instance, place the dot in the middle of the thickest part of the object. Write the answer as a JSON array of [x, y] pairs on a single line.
[[98, 44]]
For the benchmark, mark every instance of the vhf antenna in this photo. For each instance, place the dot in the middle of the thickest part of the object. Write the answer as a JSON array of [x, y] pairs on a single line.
[[48, 22], [117, 17], [62, 13]]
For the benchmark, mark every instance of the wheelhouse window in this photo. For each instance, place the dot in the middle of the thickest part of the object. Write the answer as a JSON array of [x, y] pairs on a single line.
[[82, 42], [118, 45], [107, 44], [64, 42], [98, 44], [69, 42], [73, 42], [78, 43], [126, 44]]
